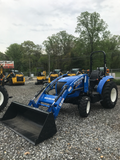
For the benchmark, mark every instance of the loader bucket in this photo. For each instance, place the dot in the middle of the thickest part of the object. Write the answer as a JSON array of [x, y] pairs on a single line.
[[33, 124]]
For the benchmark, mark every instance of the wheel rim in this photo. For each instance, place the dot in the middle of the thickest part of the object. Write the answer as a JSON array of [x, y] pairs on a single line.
[[1, 98], [88, 107], [113, 95]]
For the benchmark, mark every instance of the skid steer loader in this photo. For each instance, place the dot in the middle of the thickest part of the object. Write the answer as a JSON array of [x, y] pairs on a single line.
[[37, 125], [53, 75], [74, 72], [41, 77]]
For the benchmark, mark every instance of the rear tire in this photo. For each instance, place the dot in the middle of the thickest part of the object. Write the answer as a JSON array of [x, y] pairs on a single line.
[[3, 97], [110, 95], [84, 106]]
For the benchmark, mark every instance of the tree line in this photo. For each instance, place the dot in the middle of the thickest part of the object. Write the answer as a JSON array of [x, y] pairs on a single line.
[[66, 51]]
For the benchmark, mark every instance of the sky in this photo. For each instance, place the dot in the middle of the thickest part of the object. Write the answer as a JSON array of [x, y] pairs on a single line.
[[36, 20]]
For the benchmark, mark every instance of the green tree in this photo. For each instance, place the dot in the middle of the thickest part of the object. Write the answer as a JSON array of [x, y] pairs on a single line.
[[3, 56], [28, 48], [44, 62], [80, 57], [31, 54], [14, 53], [35, 56], [114, 51], [58, 45], [91, 29]]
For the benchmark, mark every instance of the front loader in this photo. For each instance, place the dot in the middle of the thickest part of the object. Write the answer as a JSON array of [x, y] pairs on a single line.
[[37, 125]]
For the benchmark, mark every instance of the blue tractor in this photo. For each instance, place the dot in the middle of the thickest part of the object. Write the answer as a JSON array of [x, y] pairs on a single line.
[[36, 125]]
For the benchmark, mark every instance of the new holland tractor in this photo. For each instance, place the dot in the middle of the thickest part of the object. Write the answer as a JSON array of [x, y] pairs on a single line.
[[37, 125]]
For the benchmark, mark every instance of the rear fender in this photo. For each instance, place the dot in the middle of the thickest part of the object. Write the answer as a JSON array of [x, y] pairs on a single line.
[[102, 82]]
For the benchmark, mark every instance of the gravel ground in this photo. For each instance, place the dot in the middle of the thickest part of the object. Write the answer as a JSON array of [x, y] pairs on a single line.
[[92, 138]]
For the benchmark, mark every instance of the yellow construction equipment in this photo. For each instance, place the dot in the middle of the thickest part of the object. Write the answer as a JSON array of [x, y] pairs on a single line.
[[15, 77], [41, 77], [2, 75], [74, 72], [53, 75]]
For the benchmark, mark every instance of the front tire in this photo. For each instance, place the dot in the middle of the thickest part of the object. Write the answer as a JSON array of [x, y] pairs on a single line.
[[110, 95], [3, 97], [84, 106]]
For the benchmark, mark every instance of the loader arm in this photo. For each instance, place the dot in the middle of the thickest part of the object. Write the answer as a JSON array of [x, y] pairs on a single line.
[[50, 101], [67, 89], [54, 102]]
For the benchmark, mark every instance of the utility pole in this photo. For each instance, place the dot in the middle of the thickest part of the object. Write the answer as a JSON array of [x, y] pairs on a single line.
[[49, 62], [29, 67]]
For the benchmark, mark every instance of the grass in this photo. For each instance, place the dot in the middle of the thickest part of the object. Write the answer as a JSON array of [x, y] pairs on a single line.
[[117, 74], [117, 81]]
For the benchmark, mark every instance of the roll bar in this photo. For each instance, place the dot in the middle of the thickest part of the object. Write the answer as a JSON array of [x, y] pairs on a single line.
[[104, 60]]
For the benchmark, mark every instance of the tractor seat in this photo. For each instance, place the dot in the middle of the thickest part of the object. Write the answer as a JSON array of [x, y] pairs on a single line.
[[95, 74]]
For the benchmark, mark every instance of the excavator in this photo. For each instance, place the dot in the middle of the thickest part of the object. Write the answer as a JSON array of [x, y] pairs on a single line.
[[13, 76]]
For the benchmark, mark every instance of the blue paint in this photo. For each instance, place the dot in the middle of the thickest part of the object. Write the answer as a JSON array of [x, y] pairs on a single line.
[[72, 88]]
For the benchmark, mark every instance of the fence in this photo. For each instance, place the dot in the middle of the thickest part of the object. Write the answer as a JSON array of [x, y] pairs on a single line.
[[115, 73]]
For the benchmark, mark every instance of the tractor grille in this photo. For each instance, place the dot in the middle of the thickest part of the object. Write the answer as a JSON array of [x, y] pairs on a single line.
[[19, 78], [52, 78]]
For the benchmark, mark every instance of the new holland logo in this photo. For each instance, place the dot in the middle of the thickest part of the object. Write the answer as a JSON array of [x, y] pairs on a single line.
[[60, 104], [69, 89], [78, 80], [49, 98]]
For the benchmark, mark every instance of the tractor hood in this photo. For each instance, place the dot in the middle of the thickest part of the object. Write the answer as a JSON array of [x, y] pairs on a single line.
[[70, 79]]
